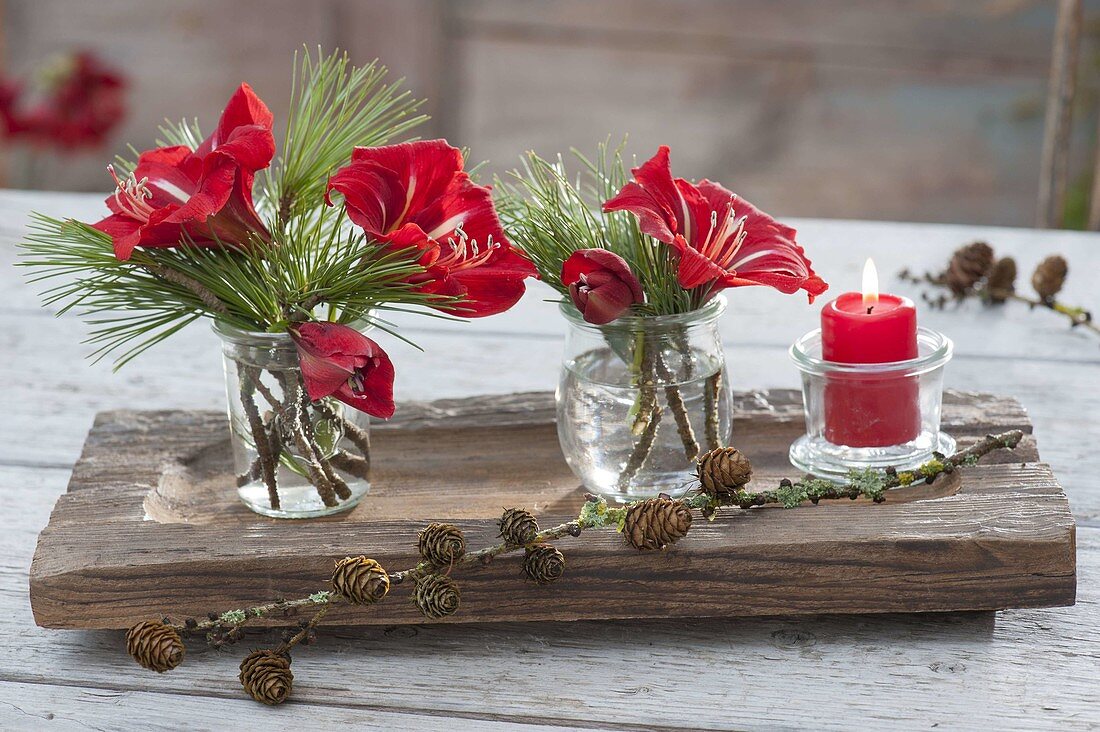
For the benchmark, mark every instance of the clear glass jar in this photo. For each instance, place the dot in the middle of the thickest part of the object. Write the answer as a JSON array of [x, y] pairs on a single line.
[[640, 398], [870, 394], [292, 458]]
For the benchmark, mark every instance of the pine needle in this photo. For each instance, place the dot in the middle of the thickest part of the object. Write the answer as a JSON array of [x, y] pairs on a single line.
[[549, 213], [314, 266]]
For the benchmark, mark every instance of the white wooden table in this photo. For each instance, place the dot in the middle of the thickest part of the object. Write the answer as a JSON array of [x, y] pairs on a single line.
[[1035, 669]]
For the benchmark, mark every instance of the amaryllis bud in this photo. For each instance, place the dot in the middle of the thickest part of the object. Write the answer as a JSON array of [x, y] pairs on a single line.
[[341, 362], [600, 284]]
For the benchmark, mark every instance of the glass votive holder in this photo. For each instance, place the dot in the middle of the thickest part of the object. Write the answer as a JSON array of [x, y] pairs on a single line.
[[875, 415]]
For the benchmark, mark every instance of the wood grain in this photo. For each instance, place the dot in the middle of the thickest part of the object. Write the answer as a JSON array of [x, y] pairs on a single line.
[[129, 539], [1054, 168]]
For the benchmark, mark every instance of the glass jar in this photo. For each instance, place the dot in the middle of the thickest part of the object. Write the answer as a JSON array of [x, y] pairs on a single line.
[[292, 458], [910, 391], [641, 398]]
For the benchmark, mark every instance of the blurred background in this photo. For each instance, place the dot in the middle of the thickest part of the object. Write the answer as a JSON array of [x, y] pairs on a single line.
[[923, 110]]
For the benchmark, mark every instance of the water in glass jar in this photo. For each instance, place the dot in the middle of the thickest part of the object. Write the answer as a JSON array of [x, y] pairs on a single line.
[[597, 406]]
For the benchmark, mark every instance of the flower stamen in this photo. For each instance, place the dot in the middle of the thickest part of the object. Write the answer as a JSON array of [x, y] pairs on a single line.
[[131, 195], [466, 253]]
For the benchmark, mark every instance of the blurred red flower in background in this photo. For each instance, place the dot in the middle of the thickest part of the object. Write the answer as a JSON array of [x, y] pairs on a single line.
[[82, 101]]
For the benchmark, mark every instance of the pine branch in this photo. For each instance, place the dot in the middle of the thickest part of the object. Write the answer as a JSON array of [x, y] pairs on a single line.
[[335, 107], [549, 213]]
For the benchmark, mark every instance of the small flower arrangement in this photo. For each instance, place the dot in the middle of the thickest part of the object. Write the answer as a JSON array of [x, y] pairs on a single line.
[[293, 254], [640, 262]]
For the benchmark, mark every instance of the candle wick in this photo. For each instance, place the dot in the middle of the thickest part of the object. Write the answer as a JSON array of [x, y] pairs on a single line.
[[870, 308]]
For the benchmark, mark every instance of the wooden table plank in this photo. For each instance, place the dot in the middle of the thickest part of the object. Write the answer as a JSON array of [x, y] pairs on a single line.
[[1015, 670], [32, 707], [148, 526]]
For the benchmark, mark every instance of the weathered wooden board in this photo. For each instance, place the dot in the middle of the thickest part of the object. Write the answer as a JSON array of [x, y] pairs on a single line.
[[150, 523]]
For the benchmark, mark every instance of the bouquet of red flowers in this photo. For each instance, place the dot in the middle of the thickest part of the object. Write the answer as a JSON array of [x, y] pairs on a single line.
[[293, 254], [640, 261]]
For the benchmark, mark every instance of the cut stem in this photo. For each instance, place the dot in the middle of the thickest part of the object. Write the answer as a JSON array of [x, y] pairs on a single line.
[[643, 446], [711, 394], [291, 418], [260, 436]]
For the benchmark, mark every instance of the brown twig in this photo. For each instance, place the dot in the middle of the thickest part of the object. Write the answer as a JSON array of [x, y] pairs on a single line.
[[292, 419], [353, 432], [1078, 317], [675, 400], [208, 298], [711, 392], [643, 446], [260, 436], [304, 632]]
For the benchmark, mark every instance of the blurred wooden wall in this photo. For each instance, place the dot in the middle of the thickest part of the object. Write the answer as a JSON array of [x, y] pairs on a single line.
[[899, 109]]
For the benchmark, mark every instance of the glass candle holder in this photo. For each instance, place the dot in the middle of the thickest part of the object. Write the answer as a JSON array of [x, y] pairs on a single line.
[[876, 395]]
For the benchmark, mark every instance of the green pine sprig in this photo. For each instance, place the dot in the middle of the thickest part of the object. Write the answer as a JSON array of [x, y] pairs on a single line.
[[313, 266], [550, 212], [335, 107]]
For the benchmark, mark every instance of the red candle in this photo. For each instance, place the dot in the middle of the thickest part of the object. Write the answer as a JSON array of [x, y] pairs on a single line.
[[868, 410]]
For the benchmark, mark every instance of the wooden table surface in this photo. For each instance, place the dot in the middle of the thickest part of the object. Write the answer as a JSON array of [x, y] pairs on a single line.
[[1033, 669]]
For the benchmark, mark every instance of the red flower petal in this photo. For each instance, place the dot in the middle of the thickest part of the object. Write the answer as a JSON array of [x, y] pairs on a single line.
[[243, 109], [376, 399], [415, 195], [588, 261], [339, 361], [684, 215]]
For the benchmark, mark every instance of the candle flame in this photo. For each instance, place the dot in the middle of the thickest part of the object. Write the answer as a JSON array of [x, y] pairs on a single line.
[[870, 284]]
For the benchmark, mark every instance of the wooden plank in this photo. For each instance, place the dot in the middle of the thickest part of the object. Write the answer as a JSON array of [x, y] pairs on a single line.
[[149, 508], [953, 670], [32, 706], [1054, 169], [956, 35]]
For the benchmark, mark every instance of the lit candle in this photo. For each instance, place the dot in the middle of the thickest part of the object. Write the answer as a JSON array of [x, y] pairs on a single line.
[[863, 328]]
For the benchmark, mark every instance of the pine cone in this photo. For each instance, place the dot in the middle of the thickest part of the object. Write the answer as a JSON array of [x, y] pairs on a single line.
[[543, 563], [266, 676], [723, 471], [437, 596], [518, 526], [155, 646], [968, 265], [1002, 280], [361, 580], [1049, 277], [441, 544], [655, 523]]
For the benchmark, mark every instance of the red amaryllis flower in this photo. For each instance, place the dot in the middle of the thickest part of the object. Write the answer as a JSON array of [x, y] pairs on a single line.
[[416, 195], [601, 284], [205, 194], [341, 362], [83, 103], [721, 239]]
